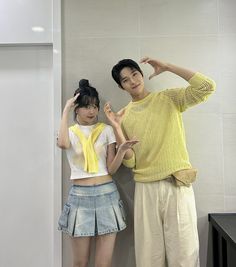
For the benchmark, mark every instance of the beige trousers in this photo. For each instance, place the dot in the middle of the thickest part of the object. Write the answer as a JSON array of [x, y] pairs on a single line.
[[165, 225]]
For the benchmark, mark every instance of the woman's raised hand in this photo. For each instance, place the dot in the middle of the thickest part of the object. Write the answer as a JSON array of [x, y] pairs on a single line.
[[115, 119], [70, 103]]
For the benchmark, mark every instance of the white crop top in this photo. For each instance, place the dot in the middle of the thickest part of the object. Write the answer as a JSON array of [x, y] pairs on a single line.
[[75, 154]]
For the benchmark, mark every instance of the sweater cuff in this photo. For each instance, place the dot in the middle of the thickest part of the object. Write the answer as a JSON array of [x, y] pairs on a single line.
[[198, 78], [129, 163]]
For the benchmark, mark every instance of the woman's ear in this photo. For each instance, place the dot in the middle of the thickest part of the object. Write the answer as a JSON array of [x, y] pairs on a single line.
[[76, 110]]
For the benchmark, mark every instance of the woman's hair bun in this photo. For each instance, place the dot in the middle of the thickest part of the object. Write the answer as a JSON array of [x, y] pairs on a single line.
[[83, 83]]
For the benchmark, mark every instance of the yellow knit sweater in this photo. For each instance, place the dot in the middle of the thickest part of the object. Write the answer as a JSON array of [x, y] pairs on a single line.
[[157, 123]]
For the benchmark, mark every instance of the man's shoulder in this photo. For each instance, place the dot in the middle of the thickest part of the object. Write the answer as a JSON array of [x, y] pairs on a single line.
[[171, 91], [160, 93], [123, 109]]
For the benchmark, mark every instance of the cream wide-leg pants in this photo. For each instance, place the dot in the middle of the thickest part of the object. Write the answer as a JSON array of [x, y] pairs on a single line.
[[165, 225]]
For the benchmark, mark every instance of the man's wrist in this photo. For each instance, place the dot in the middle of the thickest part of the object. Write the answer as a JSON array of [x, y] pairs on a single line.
[[169, 67]]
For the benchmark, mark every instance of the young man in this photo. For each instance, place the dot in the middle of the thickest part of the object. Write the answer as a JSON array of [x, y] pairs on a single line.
[[165, 220]]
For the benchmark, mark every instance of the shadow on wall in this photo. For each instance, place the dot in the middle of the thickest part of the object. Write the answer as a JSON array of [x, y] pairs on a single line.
[[124, 250]]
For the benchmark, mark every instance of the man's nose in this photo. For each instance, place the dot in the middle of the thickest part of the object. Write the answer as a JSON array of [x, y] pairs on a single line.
[[132, 80]]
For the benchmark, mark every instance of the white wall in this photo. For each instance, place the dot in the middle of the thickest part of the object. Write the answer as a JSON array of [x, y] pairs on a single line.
[[200, 35], [30, 96], [26, 114], [26, 21]]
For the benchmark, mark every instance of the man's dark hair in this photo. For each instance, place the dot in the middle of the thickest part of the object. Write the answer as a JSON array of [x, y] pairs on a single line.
[[116, 70]]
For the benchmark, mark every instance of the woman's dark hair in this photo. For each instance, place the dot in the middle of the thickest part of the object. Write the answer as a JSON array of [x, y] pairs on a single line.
[[116, 70], [88, 95]]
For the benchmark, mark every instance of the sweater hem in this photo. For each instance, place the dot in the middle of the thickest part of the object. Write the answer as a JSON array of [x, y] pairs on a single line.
[[154, 178]]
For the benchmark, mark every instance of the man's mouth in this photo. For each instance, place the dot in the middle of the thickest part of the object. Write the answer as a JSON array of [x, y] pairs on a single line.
[[134, 87]]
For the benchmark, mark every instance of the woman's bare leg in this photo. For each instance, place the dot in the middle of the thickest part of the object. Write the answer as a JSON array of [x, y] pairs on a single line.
[[104, 250], [81, 251]]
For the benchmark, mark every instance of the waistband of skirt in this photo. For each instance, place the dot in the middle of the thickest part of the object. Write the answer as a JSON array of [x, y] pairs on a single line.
[[91, 190]]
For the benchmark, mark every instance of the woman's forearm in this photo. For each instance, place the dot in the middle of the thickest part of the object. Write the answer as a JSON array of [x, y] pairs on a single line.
[[120, 139], [63, 140], [117, 161]]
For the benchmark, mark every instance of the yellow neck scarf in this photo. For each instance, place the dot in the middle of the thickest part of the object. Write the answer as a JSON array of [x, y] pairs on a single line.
[[90, 156]]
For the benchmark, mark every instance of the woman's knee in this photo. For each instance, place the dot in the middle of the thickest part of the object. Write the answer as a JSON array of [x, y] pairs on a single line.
[[103, 263], [80, 263]]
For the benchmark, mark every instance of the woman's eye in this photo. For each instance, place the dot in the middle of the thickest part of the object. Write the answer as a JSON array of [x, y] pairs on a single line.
[[91, 106]]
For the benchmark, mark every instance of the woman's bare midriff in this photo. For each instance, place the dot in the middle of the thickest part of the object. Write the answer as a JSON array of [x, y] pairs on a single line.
[[93, 180]]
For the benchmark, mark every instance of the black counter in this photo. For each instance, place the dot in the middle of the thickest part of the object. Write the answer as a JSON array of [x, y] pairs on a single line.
[[222, 240]]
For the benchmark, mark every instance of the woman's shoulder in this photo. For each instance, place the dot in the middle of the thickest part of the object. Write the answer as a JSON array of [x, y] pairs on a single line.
[[107, 127], [108, 133]]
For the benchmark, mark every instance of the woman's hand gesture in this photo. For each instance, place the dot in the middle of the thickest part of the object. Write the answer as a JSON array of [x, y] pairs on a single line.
[[128, 144], [70, 103], [115, 119]]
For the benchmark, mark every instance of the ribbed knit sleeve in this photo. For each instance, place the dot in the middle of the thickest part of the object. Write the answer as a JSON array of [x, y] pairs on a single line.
[[200, 88], [129, 163]]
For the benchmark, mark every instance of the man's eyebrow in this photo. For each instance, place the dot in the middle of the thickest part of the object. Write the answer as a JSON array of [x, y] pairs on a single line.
[[132, 71], [123, 78]]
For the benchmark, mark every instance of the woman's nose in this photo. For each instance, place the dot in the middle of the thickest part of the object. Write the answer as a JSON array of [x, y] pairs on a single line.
[[92, 109]]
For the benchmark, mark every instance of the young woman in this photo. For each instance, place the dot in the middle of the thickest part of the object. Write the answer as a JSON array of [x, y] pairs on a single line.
[[94, 207]]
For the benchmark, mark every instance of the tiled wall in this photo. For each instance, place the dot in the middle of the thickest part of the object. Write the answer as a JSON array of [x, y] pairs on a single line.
[[200, 35]]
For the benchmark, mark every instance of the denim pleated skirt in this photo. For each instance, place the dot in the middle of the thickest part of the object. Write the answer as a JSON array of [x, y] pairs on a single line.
[[93, 210]]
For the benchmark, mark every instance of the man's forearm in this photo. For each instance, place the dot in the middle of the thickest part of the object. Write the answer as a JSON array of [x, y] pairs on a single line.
[[182, 72]]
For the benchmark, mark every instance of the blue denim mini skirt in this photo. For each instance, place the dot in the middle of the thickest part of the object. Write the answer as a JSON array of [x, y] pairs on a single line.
[[93, 210]]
